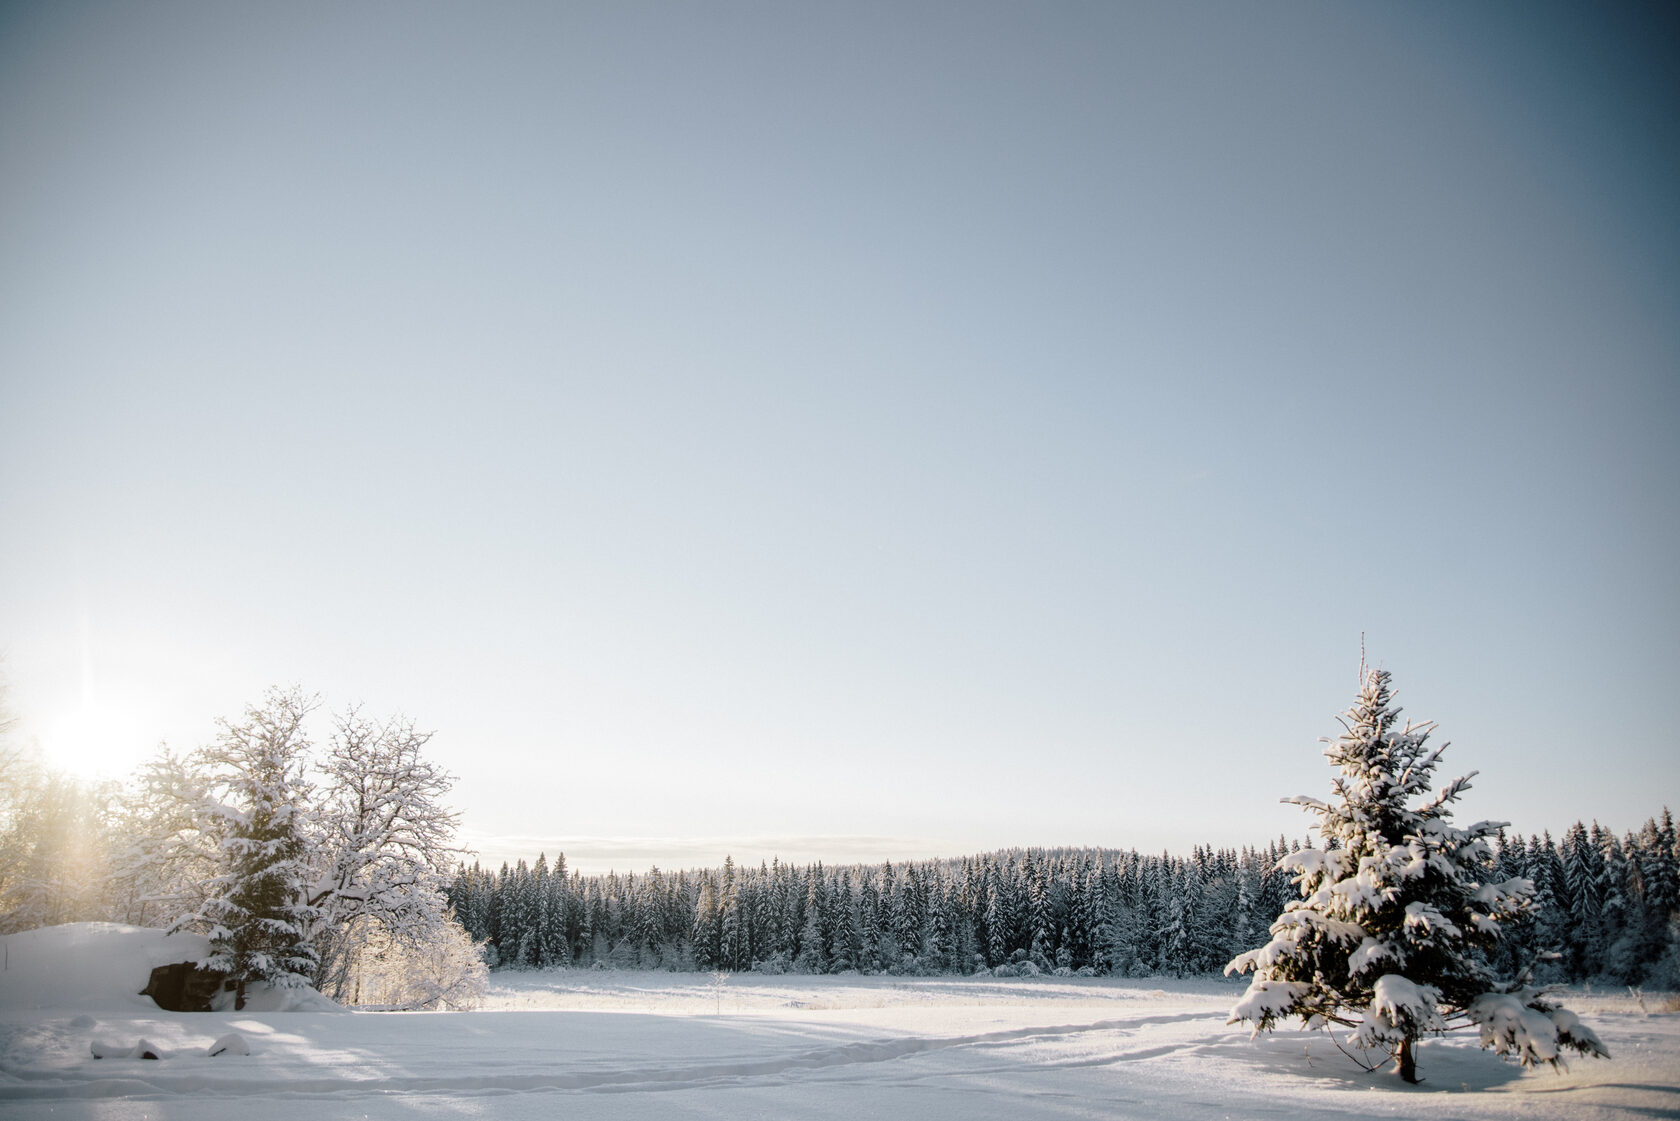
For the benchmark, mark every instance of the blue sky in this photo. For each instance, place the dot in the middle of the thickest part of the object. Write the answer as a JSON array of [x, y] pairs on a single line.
[[878, 429]]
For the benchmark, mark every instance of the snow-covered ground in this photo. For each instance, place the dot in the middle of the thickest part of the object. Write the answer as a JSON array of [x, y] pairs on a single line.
[[624, 1045]]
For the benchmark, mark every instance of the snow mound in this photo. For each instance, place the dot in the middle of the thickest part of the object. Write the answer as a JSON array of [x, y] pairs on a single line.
[[89, 966], [272, 998], [145, 1049], [230, 1044], [101, 967]]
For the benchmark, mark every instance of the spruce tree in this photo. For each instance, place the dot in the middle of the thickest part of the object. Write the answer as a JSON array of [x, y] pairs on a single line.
[[731, 936], [1618, 963], [1179, 931], [812, 954], [708, 925], [539, 912], [1660, 872], [1551, 905], [256, 910], [1583, 877], [997, 923], [1397, 912], [1088, 911], [843, 938], [938, 939]]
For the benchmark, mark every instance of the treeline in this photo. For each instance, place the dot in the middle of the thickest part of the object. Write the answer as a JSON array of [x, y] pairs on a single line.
[[1606, 909], [1078, 909], [1607, 906]]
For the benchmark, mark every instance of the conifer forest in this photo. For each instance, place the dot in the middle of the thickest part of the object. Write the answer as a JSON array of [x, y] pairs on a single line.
[[1604, 911]]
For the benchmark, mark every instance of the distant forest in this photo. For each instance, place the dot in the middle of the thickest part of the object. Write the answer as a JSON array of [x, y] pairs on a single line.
[[1606, 910]]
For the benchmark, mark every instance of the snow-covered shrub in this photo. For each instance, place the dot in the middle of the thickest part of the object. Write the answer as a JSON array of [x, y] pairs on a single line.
[[1398, 912], [444, 971], [380, 842]]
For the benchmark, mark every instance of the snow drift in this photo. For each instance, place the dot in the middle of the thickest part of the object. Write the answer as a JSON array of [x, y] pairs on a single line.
[[613, 1045], [102, 967]]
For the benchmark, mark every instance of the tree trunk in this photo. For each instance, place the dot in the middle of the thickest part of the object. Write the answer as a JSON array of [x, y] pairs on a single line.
[[239, 995], [1405, 1061]]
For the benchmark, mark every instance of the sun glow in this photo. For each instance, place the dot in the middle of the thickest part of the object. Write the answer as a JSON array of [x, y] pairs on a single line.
[[95, 741]]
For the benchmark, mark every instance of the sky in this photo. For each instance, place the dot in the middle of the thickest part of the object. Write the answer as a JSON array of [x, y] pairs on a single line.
[[850, 431]]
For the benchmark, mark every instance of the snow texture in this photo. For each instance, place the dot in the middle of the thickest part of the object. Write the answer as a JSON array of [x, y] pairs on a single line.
[[637, 1046]]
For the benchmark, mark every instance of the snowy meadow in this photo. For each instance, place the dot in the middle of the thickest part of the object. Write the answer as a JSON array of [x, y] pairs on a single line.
[[628, 1044], [1025, 986], [738, 560]]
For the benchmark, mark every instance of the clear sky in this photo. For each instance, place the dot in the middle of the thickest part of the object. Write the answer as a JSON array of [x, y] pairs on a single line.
[[851, 430]]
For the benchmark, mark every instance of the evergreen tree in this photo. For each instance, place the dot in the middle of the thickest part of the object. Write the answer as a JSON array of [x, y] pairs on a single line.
[[1660, 871], [790, 919], [843, 940], [1180, 938], [584, 940], [939, 936], [708, 925], [1156, 888], [1390, 933], [1583, 877], [1088, 910], [996, 919], [1551, 906], [257, 910], [1041, 937], [497, 907], [871, 929], [813, 953], [731, 937], [539, 911], [556, 948], [910, 918], [1241, 924], [1515, 950], [518, 920], [1619, 963]]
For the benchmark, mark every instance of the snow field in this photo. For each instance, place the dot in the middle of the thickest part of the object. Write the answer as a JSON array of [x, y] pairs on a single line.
[[630, 1045]]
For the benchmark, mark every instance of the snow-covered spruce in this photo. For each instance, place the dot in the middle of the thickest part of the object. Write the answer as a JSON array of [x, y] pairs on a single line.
[[1398, 912], [256, 912]]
